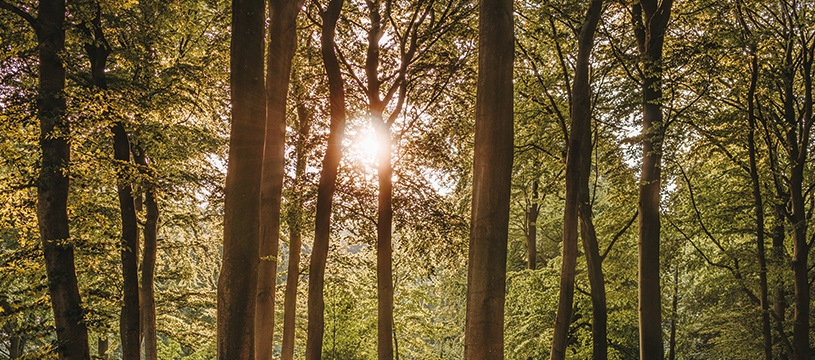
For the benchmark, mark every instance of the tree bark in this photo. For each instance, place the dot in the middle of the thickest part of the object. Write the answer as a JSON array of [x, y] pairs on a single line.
[[53, 184], [492, 168], [98, 51], [282, 44], [102, 348], [384, 226], [237, 283], [674, 313], [578, 207], [757, 197], [148, 268], [650, 21], [295, 220], [532, 229], [328, 179]]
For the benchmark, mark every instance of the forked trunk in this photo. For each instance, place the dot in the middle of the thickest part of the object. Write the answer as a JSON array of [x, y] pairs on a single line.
[[148, 268], [650, 20]]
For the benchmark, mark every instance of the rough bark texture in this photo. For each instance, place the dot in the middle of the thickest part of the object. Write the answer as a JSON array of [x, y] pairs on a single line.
[[294, 221], [53, 184], [282, 43], [148, 267], [650, 20], [328, 179], [492, 167], [237, 283]]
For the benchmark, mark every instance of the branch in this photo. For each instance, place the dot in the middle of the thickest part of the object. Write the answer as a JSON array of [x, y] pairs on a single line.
[[35, 24], [619, 233]]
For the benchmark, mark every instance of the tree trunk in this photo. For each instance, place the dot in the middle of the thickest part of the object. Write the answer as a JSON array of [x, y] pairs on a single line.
[[328, 179], [779, 257], [148, 268], [798, 150], [674, 313], [384, 226], [98, 51], [237, 283], [650, 32], [282, 43], [492, 168], [532, 229], [578, 165], [102, 348], [53, 185], [757, 198], [295, 220]]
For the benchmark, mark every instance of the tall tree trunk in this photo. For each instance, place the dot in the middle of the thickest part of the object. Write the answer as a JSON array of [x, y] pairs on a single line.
[[328, 179], [53, 184], [581, 95], [650, 20], [237, 284], [492, 168], [294, 221], [384, 226], [532, 229], [282, 44], [798, 150], [756, 185], [148, 268], [578, 206], [779, 258], [98, 51]]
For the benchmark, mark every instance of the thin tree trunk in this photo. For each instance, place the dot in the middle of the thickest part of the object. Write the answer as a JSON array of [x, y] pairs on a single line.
[[800, 252], [532, 229], [757, 198], [492, 168], [237, 283], [650, 20], [328, 179], [674, 313], [282, 44], [148, 268], [384, 227], [780, 294], [578, 164], [295, 220], [53, 184], [102, 348], [582, 113], [129, 327]]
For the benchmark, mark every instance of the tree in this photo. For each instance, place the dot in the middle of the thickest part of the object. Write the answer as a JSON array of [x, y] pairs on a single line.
[[237, 284], [492, 169], [650, 19], [281, 47], [328, 180], [53, 183]]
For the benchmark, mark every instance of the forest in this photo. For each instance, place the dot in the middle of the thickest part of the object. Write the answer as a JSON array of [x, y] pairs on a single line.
[[406, 179]]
